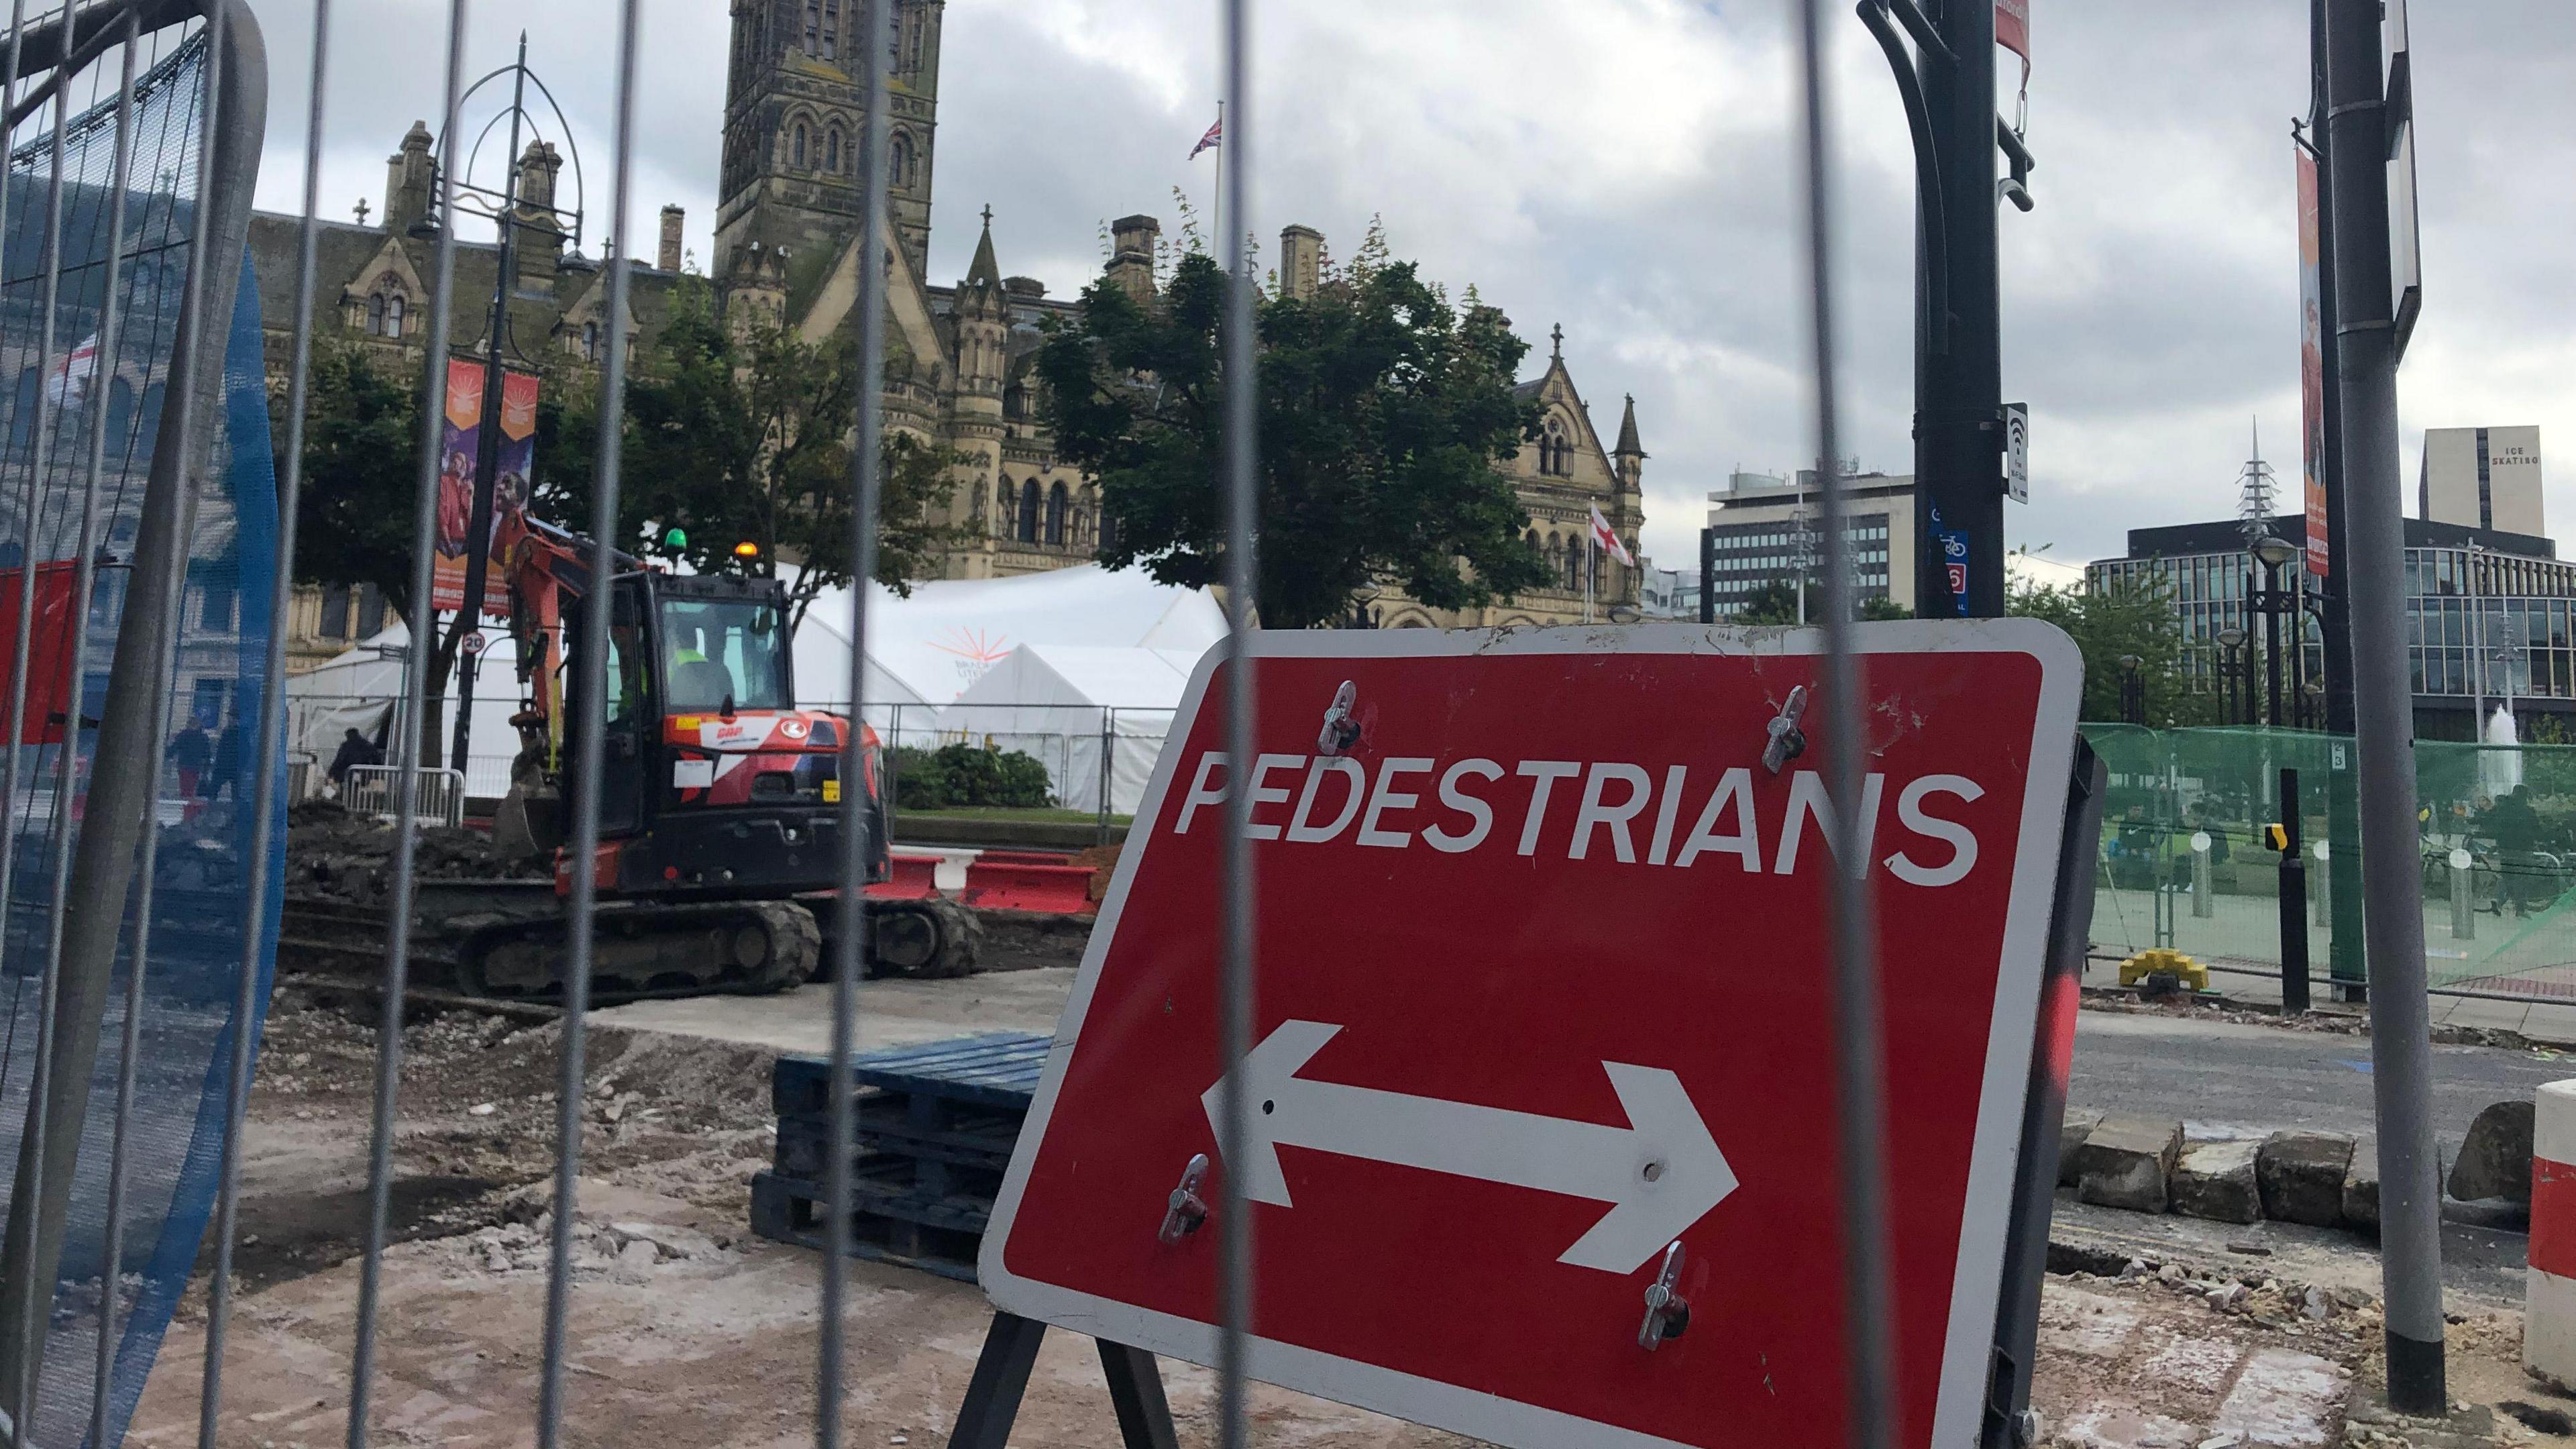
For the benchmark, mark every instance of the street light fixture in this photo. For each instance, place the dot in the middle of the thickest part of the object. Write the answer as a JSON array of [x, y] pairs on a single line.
[[2230, 640], [2274, 554]]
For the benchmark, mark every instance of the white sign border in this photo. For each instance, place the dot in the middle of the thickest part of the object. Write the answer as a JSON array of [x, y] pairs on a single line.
[[1976, 1288]]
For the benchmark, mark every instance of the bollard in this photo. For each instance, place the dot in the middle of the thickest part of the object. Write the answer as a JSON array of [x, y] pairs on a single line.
[[2549, 1284], [2464, 909], [2293, 901], [2325, 885], [2204, 903]]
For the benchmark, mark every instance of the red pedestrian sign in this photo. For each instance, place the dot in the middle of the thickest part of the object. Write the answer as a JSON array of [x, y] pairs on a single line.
[[1543, 991]]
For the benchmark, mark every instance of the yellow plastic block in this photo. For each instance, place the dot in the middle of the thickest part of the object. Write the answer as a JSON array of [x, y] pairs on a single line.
[[2147, 963]]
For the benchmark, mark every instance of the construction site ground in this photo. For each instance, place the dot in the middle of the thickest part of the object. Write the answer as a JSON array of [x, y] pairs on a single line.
[[686, 1329]]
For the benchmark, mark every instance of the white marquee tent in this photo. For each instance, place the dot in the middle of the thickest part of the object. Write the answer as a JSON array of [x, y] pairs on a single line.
[[1071, 706]]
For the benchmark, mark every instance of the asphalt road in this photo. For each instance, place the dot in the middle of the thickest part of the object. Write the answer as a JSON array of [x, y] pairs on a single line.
[[2225, 1074]]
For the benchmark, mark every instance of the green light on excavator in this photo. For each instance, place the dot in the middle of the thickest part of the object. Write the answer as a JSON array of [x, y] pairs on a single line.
[[676, 538]]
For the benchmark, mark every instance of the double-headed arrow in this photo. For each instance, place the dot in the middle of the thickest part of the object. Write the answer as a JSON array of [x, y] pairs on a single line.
[[1662, 1171]]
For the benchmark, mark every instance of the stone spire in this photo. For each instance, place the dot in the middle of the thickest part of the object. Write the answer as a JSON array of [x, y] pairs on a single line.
[[985, 272], [1630, 455]]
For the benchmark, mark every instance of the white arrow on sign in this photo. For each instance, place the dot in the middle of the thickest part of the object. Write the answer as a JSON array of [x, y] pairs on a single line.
[[1662, 1172]]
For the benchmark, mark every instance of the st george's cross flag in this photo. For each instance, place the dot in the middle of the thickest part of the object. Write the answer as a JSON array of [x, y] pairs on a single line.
[[1609, 541]]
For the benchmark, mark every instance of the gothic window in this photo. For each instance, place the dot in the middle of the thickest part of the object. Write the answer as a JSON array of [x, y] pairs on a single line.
[[1574, 552], [831, 29], [813, 28], [1029, 511], [590, 341], [1057, 500], [376, 315], [832, 150], [900, 163], [797, 150], [393, 314]]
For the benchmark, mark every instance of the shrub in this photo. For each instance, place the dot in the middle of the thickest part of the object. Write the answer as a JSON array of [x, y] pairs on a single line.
[[960, 776]]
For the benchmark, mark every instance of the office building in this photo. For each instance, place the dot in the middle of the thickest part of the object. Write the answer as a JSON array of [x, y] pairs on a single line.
[[1765, 530], [2488, 618], [2482, 478]]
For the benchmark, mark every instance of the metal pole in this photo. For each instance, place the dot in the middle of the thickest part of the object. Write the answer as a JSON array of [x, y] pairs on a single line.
[[22, 657], [409, 747], [1868, 1336], [272, 738], [2294, 902], [2410, 1197], [2272, 640], [589, 750], [2345, 966], [487, 441], [1236, 949], [866, 482], [1958, 428]]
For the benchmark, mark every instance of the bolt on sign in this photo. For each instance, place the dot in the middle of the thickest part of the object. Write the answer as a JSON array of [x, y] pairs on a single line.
[[1543, 1117]]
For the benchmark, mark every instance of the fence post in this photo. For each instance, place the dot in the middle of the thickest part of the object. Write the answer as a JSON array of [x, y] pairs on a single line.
[[2203, 902], [885, 760], [2464, 907], [1108, 772]]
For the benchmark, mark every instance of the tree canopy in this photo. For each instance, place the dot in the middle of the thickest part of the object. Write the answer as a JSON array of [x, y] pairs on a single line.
[[2128, 619], [1385, 412]]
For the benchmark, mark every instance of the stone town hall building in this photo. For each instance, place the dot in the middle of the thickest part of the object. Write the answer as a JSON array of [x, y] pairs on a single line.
[[958, 357]]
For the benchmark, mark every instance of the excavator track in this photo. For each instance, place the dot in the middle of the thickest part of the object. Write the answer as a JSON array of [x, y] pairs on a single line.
[[644, 949]]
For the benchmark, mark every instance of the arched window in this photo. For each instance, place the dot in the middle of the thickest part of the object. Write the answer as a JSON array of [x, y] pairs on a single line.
[[1029, 511], [831, 29], [832, 150], [1532, 540], [590, 341], [376, 315], [1574, 552], [1057, 501], [393, 314], [899, 161], [797, 149], [813, 29]]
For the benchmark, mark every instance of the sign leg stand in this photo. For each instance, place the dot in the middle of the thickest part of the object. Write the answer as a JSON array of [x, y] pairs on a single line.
[[1002, 1377], [2044, 1113]]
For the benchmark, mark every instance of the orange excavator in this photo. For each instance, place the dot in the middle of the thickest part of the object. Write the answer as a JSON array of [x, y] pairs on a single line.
[[721, 802]]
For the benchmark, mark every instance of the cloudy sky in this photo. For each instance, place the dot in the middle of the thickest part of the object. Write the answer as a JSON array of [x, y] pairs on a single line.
[[1624, 167]]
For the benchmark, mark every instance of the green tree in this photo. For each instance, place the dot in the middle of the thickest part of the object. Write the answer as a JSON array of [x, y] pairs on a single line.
[[354, 519], [1776, 602], [2132, 619], [1384, 414], [743, 437]]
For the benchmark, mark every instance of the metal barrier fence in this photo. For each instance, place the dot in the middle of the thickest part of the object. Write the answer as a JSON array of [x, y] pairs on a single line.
[[217, 93], [2185, 863], [437, 796]]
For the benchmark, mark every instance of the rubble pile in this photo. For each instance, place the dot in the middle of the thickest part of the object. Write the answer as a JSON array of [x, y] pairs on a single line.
[[331, 852]]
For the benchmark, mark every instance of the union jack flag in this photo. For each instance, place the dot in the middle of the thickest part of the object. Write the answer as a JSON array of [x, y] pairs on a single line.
[[1215, 137]]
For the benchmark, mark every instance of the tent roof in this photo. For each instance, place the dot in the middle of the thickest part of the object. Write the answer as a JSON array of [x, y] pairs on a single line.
[[1086, 674], [950, 632]]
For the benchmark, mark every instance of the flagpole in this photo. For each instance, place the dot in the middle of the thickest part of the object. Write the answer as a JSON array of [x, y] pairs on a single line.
[[1218, 240], [1590, 543]]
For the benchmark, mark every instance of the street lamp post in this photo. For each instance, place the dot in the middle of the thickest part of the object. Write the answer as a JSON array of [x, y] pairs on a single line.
[[2231, 640], [2274, 553], [509, 212]]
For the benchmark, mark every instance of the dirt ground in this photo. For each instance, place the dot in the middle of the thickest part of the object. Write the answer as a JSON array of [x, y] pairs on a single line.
[[687, 1330]]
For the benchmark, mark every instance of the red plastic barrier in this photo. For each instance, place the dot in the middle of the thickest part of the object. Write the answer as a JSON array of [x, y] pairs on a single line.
[[915, 878], [1063, 890], [1024, 857]]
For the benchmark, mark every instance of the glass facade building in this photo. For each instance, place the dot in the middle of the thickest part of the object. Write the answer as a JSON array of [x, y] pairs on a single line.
[[2488, 615]]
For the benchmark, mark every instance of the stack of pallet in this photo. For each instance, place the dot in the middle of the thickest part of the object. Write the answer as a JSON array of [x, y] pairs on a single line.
[[936, 1124]]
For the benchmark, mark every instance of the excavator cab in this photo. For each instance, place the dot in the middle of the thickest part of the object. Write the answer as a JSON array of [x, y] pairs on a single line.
[[713, 783]]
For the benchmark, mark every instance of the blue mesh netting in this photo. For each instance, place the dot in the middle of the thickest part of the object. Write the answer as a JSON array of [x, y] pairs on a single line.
[[175, 1136]]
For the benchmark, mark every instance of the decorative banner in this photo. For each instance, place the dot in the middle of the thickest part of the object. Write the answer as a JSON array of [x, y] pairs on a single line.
[[2312, 368], [461, 443], [2012, 31]]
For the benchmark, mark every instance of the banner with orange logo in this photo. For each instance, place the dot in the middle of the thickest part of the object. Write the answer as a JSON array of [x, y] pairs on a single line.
[[461, 447]]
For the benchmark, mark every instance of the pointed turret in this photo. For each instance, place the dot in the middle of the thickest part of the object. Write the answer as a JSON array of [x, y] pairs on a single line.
[[983, 321], [1630, 455], [985, 272]]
